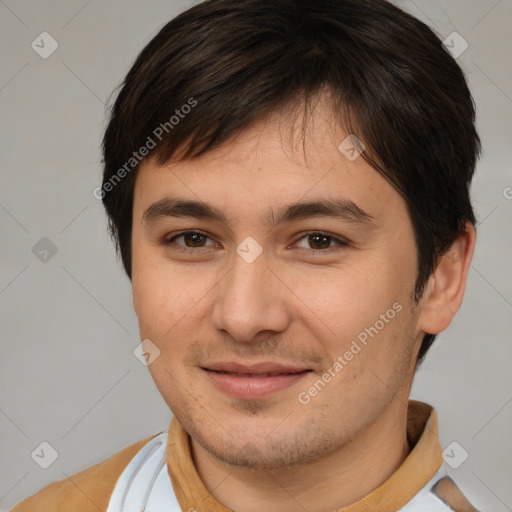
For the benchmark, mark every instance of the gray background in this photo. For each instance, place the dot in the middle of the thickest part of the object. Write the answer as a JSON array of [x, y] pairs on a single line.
[[68, 373]]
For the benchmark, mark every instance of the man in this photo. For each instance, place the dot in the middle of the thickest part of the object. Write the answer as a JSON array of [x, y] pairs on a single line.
[[287, 183]]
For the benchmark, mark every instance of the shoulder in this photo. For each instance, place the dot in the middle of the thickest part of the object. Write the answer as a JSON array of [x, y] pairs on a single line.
[[441, 494], [448, 492], [86, 491]]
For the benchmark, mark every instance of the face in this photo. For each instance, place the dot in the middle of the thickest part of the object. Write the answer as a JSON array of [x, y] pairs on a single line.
[[283, 333]]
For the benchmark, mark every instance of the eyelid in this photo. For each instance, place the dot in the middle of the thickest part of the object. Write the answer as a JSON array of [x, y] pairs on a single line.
[[339, 241], [168, 241]]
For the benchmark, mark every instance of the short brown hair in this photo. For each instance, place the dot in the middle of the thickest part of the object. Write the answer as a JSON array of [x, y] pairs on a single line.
[[389, 76]]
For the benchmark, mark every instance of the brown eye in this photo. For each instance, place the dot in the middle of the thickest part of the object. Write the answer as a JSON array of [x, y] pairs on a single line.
[[321, 242], [191, 239]]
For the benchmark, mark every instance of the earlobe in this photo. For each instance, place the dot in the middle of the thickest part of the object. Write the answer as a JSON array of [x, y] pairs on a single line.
[[445, 290]]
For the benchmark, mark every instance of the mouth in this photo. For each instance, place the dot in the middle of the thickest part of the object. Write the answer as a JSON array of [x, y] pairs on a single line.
[[254, 381], [255, 375]]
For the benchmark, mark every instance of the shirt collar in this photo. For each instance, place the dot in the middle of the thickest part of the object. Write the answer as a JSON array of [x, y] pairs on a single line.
[[417, 469]]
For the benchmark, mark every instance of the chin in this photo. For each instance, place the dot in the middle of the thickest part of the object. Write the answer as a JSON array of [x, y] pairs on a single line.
[[249, 444], [270, 457]]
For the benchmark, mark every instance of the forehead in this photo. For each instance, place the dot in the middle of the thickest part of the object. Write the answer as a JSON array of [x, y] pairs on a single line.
[[266, 169]]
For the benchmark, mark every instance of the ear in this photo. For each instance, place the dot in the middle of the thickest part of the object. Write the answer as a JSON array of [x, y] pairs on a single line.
[[445, 289]]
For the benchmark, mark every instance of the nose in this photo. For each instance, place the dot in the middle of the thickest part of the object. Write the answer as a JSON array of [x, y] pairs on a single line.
[[251, 299]]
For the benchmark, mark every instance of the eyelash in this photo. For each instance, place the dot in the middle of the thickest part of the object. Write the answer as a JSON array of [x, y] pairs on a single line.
[[339, 242]]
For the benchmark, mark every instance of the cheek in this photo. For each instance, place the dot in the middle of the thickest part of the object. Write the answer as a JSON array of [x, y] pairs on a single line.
[[146, 292], [158, 303], [166, 298], [350, 298], [363, 312], [150, 285]]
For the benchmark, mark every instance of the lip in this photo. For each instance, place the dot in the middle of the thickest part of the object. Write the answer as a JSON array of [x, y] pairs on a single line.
[[255, 381], [255, 369]]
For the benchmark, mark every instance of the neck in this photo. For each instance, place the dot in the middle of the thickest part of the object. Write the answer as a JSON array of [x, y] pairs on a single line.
[[342, 478]]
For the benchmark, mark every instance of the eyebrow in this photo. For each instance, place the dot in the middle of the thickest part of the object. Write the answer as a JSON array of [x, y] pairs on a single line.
[[342, 209]]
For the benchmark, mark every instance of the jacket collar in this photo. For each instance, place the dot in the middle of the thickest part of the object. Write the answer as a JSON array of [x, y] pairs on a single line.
[[417, 469]]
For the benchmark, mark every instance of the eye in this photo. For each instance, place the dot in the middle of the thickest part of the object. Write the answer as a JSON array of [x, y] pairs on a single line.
[[196, 240], [192, 239], [322, 242]]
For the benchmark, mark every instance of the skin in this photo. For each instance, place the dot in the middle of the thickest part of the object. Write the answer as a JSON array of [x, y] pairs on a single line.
[[287, 306]]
